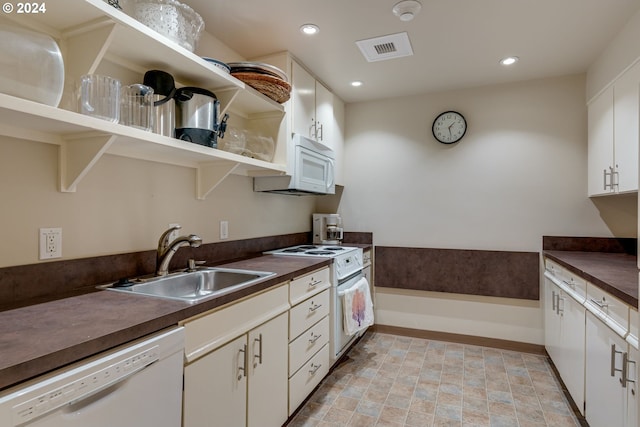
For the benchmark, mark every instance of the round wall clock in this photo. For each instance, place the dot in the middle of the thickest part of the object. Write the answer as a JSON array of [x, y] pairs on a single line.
[[449, 127]]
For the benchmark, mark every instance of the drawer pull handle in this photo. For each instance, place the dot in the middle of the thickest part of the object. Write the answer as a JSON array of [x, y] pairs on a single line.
[[569, 284], [314, 369], [314, 338], [613, 361], [313, 283], [601, 304], [243, 368], [259, 355], [560, 311], [625, 371], [314, 307]]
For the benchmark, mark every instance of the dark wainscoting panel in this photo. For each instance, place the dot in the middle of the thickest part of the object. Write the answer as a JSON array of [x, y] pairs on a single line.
[[46, 281], [625, 245], [461, 271]]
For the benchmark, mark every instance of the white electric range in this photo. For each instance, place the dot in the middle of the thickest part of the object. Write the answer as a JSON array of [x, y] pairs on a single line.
[[345, 271]]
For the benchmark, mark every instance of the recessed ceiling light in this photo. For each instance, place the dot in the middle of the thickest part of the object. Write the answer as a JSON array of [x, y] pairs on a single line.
[[309, 29], [356, 83], [509, 60]]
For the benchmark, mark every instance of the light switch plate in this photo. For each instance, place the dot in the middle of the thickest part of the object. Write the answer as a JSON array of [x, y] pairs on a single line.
[[224, 230]]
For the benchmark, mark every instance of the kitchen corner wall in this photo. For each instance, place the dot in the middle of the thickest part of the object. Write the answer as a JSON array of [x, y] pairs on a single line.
[[123, 205], [518, 174]]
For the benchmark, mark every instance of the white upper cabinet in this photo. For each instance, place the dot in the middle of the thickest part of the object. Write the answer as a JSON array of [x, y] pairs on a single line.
[[614, 136], [303, 101], [312, 106]]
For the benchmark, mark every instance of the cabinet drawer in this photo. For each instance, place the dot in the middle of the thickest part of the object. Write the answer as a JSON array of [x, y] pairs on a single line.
[[573, 284], [310, 284], [307, 313], [211, 330], [308, 377], [554, 268], [608, 308], [307, 344]]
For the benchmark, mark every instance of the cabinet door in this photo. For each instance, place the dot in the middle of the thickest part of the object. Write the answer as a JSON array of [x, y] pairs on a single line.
[[600, 151], [632, 387], [324, 115], [571, 358], [605, 396], [268, 374], [551, 320], [626, 94], [304, 100], [215, 387]]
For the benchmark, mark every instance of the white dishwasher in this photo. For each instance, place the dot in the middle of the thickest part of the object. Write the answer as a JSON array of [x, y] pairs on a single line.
[[136, 385]]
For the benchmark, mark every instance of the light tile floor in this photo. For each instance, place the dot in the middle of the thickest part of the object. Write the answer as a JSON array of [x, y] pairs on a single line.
[[398, 381]]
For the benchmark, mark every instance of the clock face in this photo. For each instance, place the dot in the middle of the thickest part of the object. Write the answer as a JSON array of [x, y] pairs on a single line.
[[449, 127]]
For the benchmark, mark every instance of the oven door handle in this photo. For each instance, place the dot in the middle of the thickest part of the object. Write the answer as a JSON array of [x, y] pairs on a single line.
[[341, 293]]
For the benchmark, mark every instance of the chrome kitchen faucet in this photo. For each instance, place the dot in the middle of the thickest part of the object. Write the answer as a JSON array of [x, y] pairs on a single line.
[[167, 249]]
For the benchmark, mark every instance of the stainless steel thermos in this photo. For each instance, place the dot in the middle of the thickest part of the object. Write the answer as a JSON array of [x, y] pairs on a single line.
[[163, 112], [197, 116]]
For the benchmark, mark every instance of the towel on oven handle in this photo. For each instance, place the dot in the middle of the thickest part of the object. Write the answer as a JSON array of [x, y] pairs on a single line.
[[357, 307]]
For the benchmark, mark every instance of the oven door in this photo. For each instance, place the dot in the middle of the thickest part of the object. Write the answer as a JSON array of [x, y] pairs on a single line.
[[314, 171], [340, 340]]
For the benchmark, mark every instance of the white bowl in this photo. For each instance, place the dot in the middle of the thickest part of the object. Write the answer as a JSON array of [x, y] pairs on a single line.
[[31, 66], [172, 19]]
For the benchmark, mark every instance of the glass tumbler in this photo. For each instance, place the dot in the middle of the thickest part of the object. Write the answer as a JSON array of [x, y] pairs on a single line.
[[100, 97], [136, 106]]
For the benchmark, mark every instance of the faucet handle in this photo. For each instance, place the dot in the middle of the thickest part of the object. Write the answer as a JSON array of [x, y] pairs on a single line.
[[193, 264], [163, 242]]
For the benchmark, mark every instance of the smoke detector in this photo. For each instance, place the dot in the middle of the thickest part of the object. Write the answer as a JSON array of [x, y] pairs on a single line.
[[406, 10], [385, 47]]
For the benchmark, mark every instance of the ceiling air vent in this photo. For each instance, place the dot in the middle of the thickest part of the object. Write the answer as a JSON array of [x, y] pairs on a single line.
[[385, 47]]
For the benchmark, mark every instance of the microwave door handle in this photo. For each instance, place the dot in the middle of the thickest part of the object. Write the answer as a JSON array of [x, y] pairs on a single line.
[[333, 176]]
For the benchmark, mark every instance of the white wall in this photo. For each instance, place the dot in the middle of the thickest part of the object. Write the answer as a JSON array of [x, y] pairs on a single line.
[[620, 54], [518, 174], [123, 205]]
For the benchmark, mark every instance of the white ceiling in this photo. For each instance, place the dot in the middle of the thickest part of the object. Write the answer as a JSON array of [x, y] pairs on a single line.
[[456, 43]]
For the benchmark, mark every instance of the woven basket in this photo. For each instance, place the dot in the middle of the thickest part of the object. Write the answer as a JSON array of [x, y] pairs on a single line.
[[273, 87]]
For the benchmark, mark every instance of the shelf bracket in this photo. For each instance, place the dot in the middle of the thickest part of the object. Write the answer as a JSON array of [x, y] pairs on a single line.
[[209, 175], [78, 155], [86, 48]]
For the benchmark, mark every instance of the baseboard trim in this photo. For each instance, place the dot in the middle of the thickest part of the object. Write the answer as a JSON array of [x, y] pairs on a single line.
[[461, 339]]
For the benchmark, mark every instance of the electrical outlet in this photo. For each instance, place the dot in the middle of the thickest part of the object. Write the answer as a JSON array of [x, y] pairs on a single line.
[[50, 243], [224, 230], [175, 233]]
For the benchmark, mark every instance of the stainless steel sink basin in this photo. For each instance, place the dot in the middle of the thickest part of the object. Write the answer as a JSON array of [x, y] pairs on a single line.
[[192, 287]]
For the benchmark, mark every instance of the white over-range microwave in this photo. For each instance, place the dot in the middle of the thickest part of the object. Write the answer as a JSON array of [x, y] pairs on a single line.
[[310, 170]]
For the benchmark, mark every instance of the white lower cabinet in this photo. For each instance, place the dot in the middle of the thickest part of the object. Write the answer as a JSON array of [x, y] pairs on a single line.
[[610, 372], [632, 387], [564, 330], [565, 338], [243, 383], [236, 372]]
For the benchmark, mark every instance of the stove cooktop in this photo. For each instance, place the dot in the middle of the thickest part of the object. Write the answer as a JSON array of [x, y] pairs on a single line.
[[313, 250]]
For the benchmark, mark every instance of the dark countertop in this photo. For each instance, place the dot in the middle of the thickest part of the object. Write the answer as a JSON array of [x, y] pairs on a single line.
[[615, 273], [43, 337]]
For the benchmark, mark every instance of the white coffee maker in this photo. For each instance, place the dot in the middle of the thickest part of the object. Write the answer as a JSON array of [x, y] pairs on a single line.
[[327, 229]]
